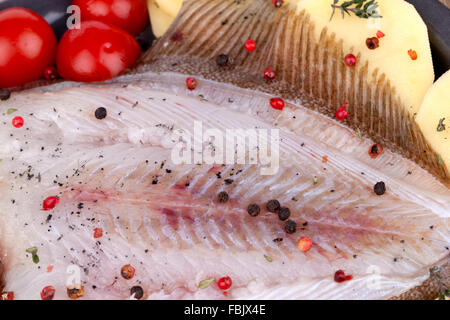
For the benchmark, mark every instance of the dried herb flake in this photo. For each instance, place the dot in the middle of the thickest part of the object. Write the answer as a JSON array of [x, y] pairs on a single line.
[[360, 135], [205, 283], [441, 125], [315, 180], [33, 251]]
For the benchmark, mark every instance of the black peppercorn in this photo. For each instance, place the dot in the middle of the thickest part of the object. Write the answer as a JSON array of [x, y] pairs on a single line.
[[284, 213], [380, 188], [137, 291], [100, 113], [222, 197], [273, 205], [222, 60], [290, 227], [4, 94], [253, 210]]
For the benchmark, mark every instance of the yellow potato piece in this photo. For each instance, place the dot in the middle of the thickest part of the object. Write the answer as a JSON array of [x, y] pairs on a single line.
[[404, 29], [162, 14], [435, 107], [171, 7]]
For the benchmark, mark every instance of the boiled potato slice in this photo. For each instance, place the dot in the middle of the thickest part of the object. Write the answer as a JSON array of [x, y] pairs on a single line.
[[435, 107], [162, 14], [404, 30]]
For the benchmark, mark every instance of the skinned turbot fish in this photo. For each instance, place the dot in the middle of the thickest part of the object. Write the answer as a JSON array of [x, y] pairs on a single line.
[[123, 189]]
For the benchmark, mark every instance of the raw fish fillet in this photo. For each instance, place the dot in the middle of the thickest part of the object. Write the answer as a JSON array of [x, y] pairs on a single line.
[[164, 218]]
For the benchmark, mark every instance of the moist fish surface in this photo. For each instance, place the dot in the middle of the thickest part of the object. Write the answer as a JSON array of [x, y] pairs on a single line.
[[164, 217], [165, 220]]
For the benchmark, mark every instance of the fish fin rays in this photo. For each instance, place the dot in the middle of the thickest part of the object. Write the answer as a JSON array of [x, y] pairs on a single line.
[[307, 69]]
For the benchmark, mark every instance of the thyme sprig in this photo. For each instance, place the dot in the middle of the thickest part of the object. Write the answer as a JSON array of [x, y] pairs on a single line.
[[360, 8]]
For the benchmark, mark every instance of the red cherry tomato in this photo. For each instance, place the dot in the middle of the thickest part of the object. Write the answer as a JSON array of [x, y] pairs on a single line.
[[97, 51], [129, 15], [27, 47]]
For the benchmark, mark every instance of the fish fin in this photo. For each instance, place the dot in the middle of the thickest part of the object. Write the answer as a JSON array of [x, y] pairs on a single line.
[[432, 287], [307, 70]]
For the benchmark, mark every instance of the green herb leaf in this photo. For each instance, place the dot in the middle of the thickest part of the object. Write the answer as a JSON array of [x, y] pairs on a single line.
[[35, 258], [11, 110], [441, 162], [360, 135], [361, 8], [32, 250], [334, 9], [433, 270], [205, 283], [346, 4], [268, 258], [316, 180]]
